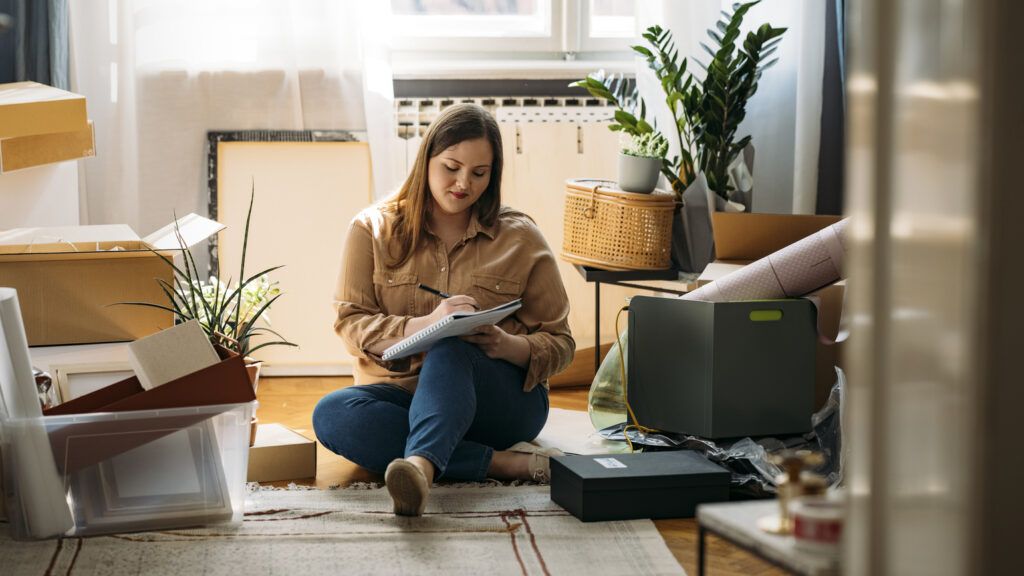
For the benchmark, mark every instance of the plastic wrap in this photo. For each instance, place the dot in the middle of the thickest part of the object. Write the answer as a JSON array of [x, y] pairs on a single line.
[[605, 402], [752, 474]]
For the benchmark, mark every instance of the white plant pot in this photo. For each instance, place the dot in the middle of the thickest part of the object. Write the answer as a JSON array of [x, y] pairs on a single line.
[[638, 174]]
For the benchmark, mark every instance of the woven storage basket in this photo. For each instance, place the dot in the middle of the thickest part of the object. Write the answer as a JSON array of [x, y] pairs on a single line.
[[608, 228]]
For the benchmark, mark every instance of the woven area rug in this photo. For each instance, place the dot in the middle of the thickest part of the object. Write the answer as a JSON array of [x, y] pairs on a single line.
[[466, 530]]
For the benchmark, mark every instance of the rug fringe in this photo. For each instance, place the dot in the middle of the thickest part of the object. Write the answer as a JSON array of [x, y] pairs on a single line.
[[293, 487]]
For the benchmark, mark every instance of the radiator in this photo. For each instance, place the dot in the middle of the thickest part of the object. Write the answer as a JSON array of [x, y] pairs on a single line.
[[413, 115]]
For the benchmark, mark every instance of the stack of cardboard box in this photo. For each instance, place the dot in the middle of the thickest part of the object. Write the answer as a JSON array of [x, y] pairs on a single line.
[[40, 124]]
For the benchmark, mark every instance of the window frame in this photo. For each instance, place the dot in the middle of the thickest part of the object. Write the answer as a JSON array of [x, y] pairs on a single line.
[[568, 36]]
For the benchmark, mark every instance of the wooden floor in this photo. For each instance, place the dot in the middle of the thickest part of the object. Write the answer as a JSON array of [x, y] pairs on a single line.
[[290, 401]]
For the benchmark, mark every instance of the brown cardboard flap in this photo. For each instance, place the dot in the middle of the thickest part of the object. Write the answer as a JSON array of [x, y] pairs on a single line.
[[741, 236]]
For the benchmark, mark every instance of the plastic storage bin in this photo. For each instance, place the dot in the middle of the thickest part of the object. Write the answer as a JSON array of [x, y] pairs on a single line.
[[138, 470]]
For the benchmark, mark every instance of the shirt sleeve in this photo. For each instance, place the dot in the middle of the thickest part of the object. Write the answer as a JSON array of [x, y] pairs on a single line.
[[360, 321], [545, 313]]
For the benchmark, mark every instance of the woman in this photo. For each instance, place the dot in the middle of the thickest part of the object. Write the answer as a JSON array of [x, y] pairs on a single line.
[[465, 409]]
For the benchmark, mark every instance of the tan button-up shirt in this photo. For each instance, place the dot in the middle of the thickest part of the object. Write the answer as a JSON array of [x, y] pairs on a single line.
[[493, 264]]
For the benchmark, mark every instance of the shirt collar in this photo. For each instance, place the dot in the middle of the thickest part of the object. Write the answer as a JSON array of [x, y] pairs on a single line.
[[476, 227]]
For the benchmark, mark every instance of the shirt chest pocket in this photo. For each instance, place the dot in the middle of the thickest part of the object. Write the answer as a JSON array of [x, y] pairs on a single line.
[[395, 291], [490, 290]]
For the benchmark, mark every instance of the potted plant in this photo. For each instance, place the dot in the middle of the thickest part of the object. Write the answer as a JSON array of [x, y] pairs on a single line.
[[640, 162], [706, 112], [232, 316]]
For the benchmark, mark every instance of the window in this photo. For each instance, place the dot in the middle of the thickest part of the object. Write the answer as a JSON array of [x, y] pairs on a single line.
[[469, 18], [560, 27], [611, 19]]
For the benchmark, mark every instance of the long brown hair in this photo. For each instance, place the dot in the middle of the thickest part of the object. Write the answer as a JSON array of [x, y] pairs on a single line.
[[411, 203]]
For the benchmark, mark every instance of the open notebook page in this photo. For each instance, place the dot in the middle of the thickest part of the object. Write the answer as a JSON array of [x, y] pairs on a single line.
[[456, 324]]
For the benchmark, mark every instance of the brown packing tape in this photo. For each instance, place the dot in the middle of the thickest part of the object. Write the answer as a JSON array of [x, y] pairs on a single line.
[[223, 384], [742, 236]]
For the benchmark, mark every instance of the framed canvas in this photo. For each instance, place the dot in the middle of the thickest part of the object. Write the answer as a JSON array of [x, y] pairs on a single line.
[[308, 185], [76, 380], [176, 480]]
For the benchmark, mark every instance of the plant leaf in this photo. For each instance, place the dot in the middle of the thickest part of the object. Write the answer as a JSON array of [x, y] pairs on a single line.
[[274, 343], [146, 304]]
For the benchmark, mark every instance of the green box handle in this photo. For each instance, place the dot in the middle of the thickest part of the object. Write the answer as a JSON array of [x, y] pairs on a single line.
[[765, 315]]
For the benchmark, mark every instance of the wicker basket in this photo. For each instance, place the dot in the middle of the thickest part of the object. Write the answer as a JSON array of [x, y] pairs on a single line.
[[608, 228]]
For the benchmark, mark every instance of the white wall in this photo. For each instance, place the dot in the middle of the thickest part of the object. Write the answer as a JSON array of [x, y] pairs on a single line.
[[786, 96], [40, 196]]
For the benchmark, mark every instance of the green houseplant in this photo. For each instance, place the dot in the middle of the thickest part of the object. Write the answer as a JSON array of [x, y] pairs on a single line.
[[231, 316], [640, 162], [706, 112]]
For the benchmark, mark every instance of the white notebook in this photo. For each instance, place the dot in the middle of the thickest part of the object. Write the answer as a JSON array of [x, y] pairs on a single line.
[[452, 325]]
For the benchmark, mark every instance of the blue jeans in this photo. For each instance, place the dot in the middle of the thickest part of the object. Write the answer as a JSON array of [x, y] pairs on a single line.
[[466, 406]]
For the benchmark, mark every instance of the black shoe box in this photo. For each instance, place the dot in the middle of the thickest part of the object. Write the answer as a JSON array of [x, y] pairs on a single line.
[[639, 485]]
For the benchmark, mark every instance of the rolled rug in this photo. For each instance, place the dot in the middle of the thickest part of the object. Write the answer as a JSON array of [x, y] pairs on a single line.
[[796, 270]]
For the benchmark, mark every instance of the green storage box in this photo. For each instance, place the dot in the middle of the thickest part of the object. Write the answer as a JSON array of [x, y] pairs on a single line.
[[722, 370]]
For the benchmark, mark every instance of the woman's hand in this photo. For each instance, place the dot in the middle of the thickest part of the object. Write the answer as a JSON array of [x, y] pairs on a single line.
[[457, 303], [500, 345]]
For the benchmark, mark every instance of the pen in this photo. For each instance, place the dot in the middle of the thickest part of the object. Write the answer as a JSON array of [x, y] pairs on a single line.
[[434, 291]]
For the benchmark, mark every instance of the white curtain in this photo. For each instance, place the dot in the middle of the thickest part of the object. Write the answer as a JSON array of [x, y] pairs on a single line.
[[784, 117], [158, 74]]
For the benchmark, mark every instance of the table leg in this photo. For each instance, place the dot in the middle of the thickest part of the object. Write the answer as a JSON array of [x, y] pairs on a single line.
[[597, 326], [701, 534]]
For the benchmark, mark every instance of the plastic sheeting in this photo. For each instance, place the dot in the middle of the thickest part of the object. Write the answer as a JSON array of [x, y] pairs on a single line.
[[753, 475]]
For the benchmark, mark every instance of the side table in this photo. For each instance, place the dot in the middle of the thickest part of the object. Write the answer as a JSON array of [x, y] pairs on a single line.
[[627, 279], [736, 522]]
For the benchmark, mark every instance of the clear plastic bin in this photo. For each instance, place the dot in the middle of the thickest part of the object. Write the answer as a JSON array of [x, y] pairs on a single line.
[[127, 471]]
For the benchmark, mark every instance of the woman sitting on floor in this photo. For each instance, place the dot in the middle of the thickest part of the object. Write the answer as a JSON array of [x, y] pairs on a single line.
[[465, 409]]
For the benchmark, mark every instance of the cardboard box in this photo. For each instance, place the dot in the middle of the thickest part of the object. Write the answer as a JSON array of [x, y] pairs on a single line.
[[69, 279], [722, 369], [38, 149], [281, 453], [743, 237], [30, 108], [640, 485]]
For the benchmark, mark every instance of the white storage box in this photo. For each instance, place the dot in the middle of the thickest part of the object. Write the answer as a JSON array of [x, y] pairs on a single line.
[[133, 471]]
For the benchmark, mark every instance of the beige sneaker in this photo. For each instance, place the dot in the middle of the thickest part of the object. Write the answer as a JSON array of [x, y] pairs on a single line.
[[408, 487], [540, 459]]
